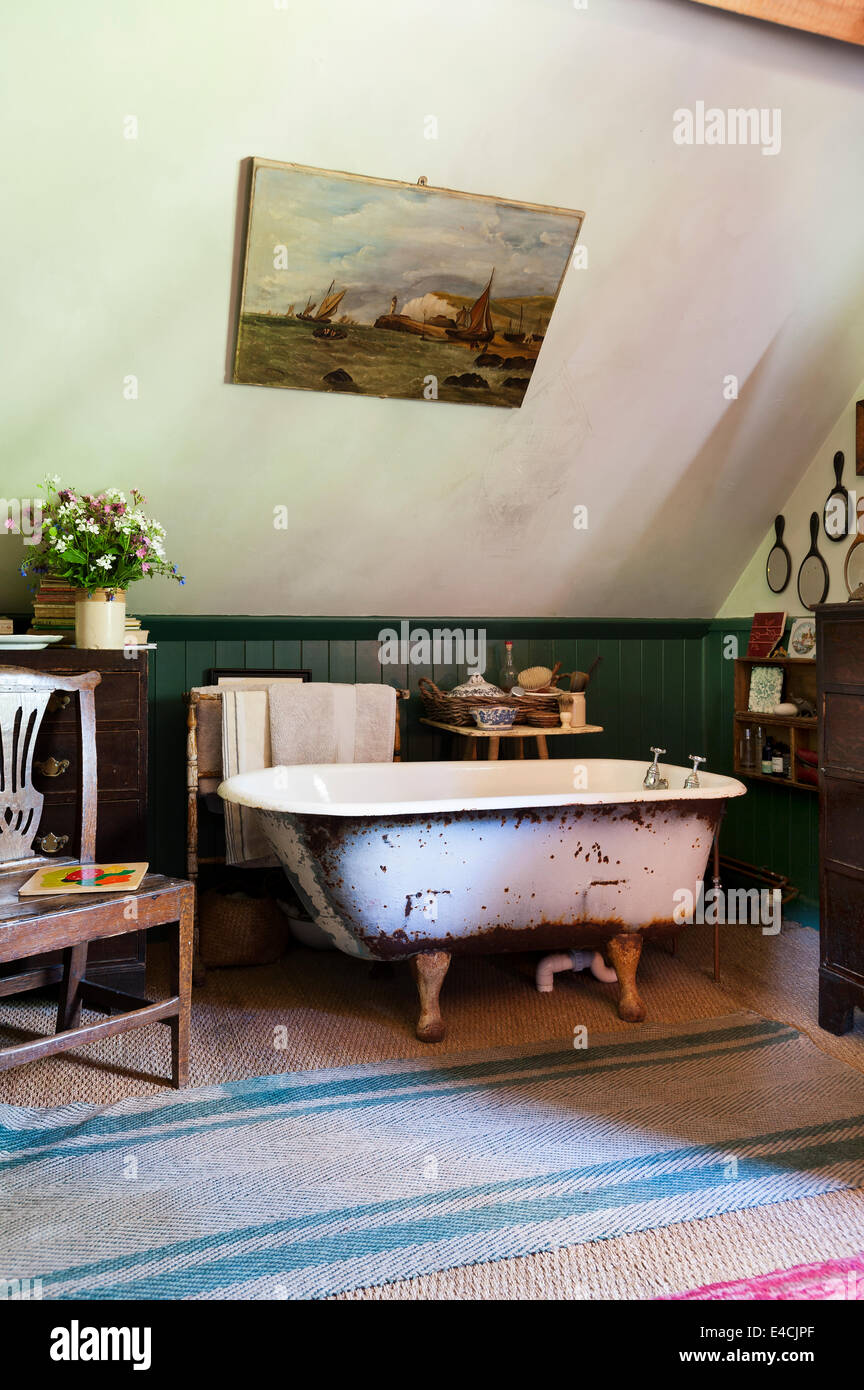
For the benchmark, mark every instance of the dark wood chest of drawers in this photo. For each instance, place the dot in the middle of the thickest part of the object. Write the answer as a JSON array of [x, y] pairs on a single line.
[[121, 750], [840, 657]]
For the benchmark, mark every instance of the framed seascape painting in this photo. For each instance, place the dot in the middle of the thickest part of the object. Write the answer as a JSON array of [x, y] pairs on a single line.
[[380, 288]]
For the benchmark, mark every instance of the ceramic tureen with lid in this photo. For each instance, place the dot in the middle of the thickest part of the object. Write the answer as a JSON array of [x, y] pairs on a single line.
[[478, 685]]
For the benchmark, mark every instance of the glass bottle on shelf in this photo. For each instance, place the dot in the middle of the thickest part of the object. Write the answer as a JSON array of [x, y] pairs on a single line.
[[507, 678], [768, 757], [777, 759], [747, 753]]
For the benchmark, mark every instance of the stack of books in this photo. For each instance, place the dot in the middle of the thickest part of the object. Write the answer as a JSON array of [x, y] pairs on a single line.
[[54, 612]]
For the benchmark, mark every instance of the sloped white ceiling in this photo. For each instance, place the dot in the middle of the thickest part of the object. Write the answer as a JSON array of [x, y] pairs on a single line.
[[703, 261]]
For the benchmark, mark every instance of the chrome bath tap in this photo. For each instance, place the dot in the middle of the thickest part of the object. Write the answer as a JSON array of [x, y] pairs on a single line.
[[653, 782], [692, 779]]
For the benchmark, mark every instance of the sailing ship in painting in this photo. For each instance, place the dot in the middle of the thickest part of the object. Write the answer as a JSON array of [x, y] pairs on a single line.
[[326, 309], [471, 325], [477, 343]]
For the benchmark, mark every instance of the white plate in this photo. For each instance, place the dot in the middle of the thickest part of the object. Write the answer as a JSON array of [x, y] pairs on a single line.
[[36, 641]]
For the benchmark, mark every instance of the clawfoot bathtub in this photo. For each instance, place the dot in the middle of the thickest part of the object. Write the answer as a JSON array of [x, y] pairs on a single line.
[[430, 860]]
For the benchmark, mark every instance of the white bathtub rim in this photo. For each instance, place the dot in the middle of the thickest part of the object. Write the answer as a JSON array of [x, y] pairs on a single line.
[[251, 789]]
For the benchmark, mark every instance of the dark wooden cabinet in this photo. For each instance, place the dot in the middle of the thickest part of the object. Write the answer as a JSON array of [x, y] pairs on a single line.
[[121, 751], [840, 659]]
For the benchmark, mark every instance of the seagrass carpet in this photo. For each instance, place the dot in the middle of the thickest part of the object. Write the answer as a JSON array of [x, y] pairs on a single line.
[[324, 1011]]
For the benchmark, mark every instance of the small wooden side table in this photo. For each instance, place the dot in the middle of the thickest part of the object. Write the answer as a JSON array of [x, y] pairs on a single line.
[[517, 731]]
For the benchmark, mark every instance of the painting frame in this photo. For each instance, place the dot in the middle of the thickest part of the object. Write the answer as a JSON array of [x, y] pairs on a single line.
[[509, 391], [228, 676]]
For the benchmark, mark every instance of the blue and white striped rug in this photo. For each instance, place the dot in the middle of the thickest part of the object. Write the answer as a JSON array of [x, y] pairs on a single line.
[[310, 1183]]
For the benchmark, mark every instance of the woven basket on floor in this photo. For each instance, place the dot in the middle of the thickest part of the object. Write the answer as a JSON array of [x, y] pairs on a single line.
[[235, 929], [456, 709]]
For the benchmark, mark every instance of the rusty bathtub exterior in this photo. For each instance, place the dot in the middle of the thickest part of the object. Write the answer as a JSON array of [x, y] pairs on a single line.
[[396, 860]]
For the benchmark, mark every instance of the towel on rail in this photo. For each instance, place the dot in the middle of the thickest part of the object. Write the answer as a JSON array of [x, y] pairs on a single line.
[[324, 722], [245, 748], [292, 723]]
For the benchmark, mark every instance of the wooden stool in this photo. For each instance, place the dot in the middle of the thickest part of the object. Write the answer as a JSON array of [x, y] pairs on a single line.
[[519, 732]]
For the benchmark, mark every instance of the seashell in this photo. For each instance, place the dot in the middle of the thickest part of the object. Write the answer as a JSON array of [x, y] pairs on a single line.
[[535, 677]]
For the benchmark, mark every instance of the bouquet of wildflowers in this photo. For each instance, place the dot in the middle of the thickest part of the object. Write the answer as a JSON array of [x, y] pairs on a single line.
[[101, 541]]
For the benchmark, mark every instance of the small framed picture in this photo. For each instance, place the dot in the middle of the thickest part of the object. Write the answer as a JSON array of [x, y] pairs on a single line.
[[255, 678], [802, 638]]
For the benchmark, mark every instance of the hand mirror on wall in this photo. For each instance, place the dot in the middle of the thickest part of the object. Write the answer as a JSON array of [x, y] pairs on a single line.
[[835, 515], [853, 572], [813, 577], [778, 569]]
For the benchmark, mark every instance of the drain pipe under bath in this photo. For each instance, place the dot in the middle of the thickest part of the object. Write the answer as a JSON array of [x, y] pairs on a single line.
[[548, 967]]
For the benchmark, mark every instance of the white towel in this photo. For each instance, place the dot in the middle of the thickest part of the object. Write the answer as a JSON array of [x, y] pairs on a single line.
[[345, 719], [245, 748], [290, 723], [324, 722]]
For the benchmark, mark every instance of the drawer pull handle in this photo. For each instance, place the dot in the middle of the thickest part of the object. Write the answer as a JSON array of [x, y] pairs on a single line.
[[52, 768], [58, 701], [51, 843]]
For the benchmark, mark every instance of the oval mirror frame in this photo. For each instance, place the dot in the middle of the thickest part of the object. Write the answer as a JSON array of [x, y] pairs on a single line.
[[813, 570], [778, 555], [856, 549], [836, 509]]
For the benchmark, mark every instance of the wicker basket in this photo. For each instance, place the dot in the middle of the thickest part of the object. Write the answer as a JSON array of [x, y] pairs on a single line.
[[238, 930], [456, 709]]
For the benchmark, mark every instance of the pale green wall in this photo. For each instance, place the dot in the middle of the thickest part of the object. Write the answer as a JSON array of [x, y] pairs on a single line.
[[116, 259], [751, 593]]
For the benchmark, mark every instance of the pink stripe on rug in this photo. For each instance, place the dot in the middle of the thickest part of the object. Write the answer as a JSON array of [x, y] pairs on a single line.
[[832, 1279]]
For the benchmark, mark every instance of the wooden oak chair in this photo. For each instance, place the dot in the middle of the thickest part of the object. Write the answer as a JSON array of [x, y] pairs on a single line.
[[32, 926]]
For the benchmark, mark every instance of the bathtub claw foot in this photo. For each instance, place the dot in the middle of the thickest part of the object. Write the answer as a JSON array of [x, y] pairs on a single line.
[[429, 970], [624, 952]]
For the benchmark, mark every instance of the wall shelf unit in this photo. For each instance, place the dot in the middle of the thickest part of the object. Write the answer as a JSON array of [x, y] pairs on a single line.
[[800, 732]]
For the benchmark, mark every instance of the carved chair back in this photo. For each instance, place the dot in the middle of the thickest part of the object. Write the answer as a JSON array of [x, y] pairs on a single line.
[[24, 697]]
